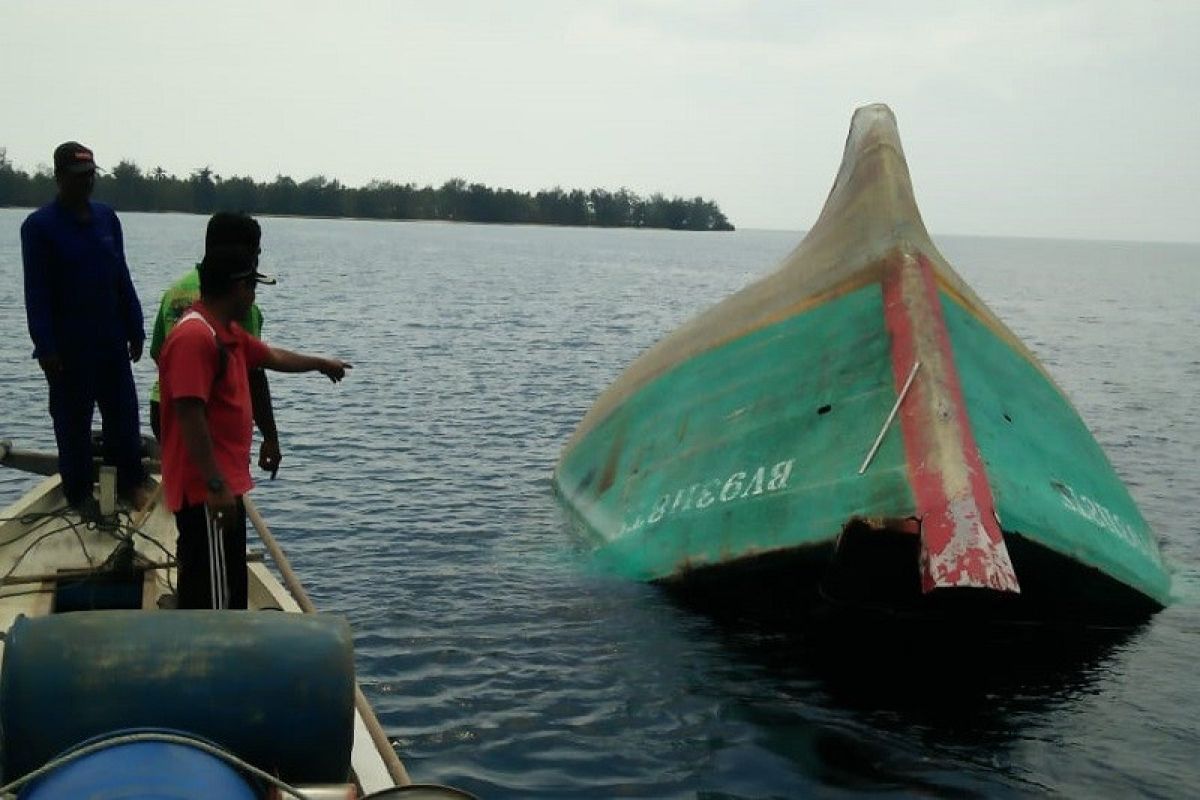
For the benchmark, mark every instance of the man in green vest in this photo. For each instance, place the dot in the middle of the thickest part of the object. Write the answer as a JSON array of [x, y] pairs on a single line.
[[225, 229]]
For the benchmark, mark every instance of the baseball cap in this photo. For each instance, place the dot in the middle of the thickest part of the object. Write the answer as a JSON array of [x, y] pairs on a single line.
[[259, 277], [74, 158], [233, 264]]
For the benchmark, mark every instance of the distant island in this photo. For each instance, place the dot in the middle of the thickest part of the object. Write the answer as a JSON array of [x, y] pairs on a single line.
[[127, 188]]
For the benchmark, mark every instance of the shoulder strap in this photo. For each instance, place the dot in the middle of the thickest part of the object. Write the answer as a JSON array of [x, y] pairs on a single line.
[[192, 314], [222, 350]]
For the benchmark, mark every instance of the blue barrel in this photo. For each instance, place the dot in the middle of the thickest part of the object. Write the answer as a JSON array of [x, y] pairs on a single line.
[[144, 771], [274, 689]]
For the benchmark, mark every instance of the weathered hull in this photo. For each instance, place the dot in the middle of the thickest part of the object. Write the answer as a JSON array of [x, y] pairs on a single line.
[[743, 438], [703, 465]]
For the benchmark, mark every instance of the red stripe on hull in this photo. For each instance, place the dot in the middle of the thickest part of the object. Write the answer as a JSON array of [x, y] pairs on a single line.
[[961, 541]]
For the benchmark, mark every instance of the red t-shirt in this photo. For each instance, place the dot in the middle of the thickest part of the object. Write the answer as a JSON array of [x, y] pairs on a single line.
[[188, 367]]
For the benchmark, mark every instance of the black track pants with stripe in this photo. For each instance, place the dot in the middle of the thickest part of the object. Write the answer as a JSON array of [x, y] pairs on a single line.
[[212, 558]]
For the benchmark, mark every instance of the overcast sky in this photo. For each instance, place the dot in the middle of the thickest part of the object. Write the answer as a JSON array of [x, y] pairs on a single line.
[[1072, 118]]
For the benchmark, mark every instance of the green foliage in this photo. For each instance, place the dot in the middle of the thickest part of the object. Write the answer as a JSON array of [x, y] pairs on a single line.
[[128, 188], [18, 188]]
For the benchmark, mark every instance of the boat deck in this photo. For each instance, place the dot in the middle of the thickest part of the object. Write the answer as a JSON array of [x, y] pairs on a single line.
[[53, 561]]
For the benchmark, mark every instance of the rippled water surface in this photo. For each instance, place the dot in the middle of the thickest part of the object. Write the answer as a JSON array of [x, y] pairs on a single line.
[[415, 499]]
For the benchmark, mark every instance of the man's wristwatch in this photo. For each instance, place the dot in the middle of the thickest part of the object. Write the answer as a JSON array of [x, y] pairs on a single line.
[[215, 484]]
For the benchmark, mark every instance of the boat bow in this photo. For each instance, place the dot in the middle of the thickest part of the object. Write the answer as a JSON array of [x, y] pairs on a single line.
[[739, 436]]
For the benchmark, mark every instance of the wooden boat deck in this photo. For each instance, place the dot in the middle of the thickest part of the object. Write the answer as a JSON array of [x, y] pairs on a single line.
[[44, 546]]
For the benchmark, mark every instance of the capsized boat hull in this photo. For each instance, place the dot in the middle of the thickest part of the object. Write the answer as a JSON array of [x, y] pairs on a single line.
[[750, 433]]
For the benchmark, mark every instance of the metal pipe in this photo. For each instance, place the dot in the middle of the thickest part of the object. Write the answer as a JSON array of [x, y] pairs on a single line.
[[47, 463], [891, 416], [28, 460]]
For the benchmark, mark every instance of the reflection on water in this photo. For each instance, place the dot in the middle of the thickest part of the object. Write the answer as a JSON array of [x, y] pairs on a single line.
[[865, 703]]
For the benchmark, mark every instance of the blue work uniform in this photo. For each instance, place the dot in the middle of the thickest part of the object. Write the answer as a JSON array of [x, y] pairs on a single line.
[[82, 307]]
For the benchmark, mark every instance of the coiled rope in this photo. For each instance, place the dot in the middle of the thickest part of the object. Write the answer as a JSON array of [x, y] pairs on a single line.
[[122, 527]]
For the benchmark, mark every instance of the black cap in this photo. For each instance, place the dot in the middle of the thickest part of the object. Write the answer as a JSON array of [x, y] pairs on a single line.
[[253, 272], [73, 158], [231, 264]]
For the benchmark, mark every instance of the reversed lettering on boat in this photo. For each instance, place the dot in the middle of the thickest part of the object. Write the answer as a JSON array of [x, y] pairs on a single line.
[[716, 491], [1099, 515]]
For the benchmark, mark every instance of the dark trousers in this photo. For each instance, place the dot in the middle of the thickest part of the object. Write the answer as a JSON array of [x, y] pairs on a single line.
[[211, 559], [156, 420], [86, 382]]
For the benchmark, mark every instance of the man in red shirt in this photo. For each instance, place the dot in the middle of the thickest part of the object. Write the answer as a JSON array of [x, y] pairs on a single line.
[[207, 422]]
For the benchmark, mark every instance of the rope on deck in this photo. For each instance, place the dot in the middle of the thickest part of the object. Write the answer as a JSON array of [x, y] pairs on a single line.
[[121, 526]]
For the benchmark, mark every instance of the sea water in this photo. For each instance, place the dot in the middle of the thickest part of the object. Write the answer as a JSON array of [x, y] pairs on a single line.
[[415, 499]]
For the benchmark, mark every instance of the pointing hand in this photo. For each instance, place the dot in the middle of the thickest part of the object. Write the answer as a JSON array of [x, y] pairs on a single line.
[[334, 369]]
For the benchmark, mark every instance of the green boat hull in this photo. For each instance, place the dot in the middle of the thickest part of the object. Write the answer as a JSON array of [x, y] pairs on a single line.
[[748, 448], [1054, 486], [859, 423]]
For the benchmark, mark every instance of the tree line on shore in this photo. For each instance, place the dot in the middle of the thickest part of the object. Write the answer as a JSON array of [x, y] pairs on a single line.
[[128, 188]]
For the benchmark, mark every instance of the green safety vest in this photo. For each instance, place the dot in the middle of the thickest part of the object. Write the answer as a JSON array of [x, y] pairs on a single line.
[[176, 300]]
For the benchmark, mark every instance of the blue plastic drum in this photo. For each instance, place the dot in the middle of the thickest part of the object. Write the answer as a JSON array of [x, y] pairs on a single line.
[[144, 771]]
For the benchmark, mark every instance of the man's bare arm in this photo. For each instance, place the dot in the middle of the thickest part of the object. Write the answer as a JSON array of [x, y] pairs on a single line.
[[282, 360], [269, 454]]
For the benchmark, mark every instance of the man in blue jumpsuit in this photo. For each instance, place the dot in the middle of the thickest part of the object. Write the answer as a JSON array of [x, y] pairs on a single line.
[[85, 320]]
